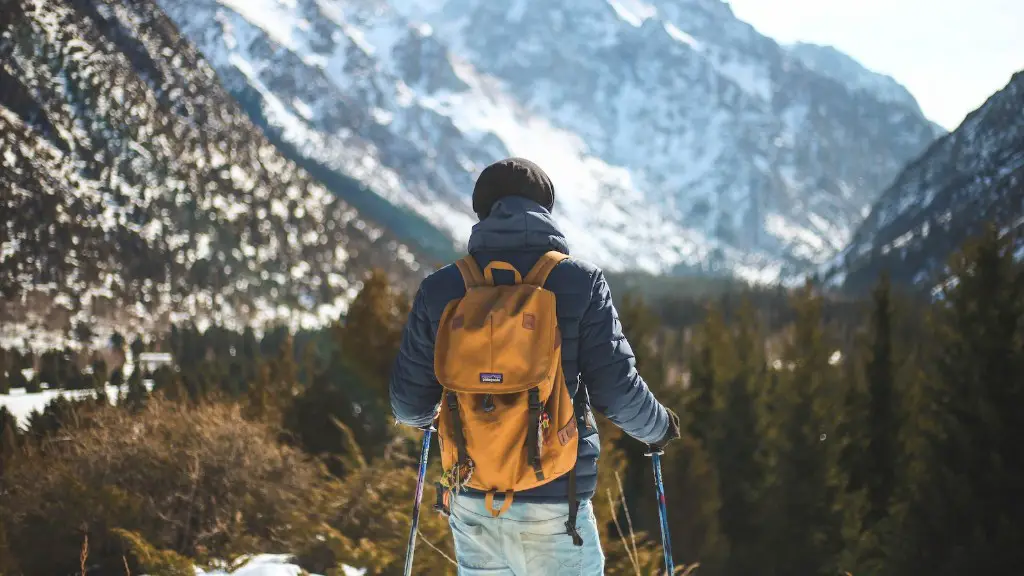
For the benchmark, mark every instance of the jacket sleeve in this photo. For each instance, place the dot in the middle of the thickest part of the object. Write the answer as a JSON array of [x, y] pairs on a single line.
[[608, 368], [414, 389]]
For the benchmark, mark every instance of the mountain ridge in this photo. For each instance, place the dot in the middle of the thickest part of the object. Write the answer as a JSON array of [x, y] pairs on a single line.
[[971, 177], [761, 171]]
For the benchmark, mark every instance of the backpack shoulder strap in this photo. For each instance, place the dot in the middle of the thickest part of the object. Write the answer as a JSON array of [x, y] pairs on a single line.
[[538, 275], [470, 271]]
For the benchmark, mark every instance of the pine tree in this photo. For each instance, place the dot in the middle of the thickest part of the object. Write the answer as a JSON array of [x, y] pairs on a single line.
[[167, 383], [869, 434], [802, 513], [117, 378], [248, 354], [883, 427], [967, 509], [285, 371], [99, 373], [117, 341], [736, 448], [17, 362], [6, 366], [138, 347], [712, 365], [322, 420], [135, 398], [371, 333], [8, 439], [259, 402]]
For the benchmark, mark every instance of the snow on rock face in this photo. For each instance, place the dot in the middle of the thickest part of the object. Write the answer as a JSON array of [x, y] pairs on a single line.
[[971, 177], [676, 135]]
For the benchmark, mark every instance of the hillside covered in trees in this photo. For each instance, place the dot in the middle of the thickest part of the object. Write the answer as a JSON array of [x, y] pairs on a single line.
[[884, 442], [135, 192]]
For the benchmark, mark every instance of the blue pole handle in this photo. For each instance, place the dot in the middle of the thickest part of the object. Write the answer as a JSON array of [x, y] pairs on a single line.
[[659, 486]]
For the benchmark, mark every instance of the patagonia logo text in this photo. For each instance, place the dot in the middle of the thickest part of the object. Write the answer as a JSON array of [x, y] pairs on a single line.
[[495, 377]]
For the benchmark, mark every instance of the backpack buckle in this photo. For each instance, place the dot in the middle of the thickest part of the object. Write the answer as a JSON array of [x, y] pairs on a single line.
[[534, 401], [488, 403]]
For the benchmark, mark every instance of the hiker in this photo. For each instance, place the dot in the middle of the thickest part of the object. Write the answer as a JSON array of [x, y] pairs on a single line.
[[505, 420]]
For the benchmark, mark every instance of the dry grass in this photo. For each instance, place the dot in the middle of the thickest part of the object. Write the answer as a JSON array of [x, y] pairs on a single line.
[[641, 559], [84, 555]]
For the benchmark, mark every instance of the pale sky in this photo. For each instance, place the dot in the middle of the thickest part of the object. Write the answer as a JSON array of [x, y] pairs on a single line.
[[951, 54]]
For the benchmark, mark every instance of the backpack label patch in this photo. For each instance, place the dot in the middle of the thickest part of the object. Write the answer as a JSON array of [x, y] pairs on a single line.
[[492, 377], [529, 321]]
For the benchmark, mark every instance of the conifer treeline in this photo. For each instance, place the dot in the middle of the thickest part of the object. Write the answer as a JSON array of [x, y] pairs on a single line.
[[891, 445], [880, 442]]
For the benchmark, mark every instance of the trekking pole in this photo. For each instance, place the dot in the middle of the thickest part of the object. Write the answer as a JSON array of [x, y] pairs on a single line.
[[659, 487], [424, 452]]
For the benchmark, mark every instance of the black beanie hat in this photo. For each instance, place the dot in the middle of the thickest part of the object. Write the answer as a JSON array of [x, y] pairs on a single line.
[[512, 177]]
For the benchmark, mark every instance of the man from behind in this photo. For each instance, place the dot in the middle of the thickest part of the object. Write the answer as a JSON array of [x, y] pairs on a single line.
[[550, 527]]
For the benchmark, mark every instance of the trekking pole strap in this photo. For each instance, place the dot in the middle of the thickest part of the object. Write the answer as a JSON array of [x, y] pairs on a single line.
[[574, 508]]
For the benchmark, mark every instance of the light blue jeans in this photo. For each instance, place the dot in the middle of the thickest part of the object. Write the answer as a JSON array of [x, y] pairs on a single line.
[[527, 540]]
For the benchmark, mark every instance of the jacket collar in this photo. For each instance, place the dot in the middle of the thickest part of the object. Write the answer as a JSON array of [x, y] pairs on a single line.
[[517, 223]]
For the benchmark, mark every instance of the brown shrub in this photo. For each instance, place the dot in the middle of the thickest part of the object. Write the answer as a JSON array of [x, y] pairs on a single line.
[[200, 482]]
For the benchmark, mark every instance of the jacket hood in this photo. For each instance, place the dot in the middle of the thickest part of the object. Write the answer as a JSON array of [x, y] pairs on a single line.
[[517, 223]]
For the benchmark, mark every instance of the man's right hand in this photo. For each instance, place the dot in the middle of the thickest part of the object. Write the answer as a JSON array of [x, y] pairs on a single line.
[[672, 433]]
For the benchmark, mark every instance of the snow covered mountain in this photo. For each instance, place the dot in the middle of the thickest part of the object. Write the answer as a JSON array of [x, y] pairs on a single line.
[[971, 177], [678, 137], [134, 191]]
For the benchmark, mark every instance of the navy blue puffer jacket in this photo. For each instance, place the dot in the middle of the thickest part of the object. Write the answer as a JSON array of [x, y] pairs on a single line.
[[596, 357]]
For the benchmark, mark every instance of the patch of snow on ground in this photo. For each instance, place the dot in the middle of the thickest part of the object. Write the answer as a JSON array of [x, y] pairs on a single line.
[[21, 404], [272, 565]]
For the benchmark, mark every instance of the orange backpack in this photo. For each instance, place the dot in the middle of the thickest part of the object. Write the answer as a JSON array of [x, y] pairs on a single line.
[[506, 420]]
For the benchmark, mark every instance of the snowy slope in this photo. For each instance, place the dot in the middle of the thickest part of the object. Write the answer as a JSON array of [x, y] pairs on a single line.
[[678, 137], [971, 177], [134, 192]]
